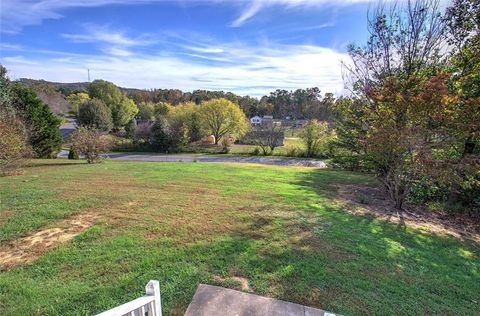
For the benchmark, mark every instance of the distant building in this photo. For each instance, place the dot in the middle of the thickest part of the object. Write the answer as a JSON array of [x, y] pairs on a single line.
[[256, 121], [299, 123]]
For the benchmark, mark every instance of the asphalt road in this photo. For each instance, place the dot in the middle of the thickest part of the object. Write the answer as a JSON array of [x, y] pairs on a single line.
[[279, 161], [68, 128]]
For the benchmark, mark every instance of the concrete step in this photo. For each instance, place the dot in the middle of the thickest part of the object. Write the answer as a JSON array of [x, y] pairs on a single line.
[[217, 301]]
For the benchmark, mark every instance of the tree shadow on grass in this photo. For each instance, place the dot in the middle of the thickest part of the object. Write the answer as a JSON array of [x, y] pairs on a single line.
[[350, 264], [54, 163]]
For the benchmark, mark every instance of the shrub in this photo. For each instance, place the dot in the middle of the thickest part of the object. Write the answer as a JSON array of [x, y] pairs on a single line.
[[225, 145], [256, 151], [95, 114], [294, 152], [12, 144], [425, 189], [92, 143], [73, 154]]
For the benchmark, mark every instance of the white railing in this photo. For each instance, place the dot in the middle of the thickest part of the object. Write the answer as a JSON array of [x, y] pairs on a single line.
[[148, 305]]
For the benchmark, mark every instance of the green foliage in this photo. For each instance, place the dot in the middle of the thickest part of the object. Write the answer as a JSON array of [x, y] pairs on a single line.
[[225, 145], [316, 136], [43, 126], [123, 109], [73, 154], [161, 109], [131, 128], [221, 117], [425, 189], [95, 114], [160, 135], [77, 99], [146, 111], [186, 122]]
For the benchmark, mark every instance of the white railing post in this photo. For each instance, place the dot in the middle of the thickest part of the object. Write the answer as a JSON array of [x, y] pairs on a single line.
[[153, 288]]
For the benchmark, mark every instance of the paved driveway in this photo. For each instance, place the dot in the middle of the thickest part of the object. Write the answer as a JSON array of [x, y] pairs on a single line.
[[279, 161], [68, 128]]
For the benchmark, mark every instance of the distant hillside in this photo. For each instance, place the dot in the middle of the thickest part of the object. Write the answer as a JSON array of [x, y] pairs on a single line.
[[54, 93], [64, 88]]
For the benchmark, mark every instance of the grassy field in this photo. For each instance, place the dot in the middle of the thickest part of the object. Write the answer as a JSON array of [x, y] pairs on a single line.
[[279, 228]]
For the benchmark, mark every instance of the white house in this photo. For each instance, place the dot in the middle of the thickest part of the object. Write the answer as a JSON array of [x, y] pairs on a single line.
[[256, 120]]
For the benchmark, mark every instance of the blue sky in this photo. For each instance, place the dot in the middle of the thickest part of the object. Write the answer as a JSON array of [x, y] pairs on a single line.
[[244, 46]]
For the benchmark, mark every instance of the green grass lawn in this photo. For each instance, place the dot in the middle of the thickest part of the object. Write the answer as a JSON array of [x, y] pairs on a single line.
[[185, 223]]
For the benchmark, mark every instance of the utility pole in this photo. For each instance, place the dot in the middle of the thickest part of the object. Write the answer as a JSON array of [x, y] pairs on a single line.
[[88, 70]]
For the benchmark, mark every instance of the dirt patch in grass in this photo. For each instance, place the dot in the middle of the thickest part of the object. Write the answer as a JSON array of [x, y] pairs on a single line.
[[240, 283], [367, 200], [34, 245], [4, 215]]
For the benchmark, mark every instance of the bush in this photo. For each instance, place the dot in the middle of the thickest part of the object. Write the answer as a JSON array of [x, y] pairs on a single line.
[[95, 114], [92, 143], [73, 154], [425, 189], [293, 152], [12, 145], [225, 145], [256, 151]]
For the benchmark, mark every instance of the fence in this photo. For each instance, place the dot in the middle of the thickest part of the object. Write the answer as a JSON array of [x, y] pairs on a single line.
[[147, 305]]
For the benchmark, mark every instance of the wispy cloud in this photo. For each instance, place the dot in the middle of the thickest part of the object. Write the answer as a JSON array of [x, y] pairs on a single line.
[[253, 7], [206, 50], [97, 33], [245, 69], [16, 14]]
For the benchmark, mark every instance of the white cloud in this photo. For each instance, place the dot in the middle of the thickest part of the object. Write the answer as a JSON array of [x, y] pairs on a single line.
[[115, 51], [98, 33], [15, 14], [251, 10], [206, 50], [255, 6], [255, 70]]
